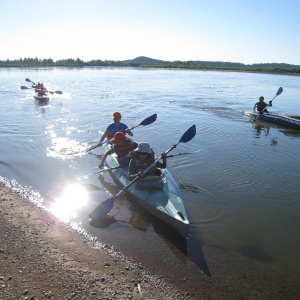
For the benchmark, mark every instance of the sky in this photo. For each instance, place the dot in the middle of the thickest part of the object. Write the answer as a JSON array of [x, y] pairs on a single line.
[[244, 31]]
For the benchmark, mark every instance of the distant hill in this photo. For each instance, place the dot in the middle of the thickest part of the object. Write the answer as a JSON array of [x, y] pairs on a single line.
[[211, 64], [144, 59]]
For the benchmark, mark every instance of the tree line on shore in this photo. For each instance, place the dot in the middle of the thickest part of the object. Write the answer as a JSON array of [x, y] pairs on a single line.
[[145, 62]]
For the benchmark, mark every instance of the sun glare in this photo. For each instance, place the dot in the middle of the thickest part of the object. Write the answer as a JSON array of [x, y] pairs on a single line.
[[66, 148], [72, 200]]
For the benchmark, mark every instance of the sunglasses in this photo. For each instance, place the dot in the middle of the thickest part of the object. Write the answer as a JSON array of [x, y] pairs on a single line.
[[143, 153]]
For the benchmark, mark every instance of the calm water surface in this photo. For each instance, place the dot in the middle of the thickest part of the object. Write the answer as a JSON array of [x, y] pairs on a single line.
[[240, 185]]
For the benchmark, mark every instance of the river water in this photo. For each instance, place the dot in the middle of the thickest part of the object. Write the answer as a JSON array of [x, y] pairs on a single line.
[[240, 184]]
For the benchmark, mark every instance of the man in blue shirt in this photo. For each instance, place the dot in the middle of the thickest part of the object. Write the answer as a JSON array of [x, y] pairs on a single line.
[[117, 126]]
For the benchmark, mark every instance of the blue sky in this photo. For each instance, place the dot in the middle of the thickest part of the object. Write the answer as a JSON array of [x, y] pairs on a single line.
[[246, 31]]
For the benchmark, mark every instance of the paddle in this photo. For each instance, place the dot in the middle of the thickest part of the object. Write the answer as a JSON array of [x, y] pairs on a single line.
[[96, 146], [28, 80], [105, 207], [280, 90], [100, 171], [51, 92], [178, 154], [147, 121], [119, 167]]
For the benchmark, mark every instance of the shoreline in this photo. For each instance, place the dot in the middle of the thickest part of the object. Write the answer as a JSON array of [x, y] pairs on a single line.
[[220, 69], [43, 258]]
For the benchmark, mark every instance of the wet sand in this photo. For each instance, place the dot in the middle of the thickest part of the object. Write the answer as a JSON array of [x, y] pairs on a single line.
[[42, 258]]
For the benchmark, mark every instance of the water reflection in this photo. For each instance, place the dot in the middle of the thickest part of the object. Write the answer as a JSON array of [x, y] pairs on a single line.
[[261, 128], [264, 129], [42, 104], [290, 133], [73, 198]]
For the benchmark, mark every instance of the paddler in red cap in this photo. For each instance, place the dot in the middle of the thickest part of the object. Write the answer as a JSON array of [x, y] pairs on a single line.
[[122, 146]]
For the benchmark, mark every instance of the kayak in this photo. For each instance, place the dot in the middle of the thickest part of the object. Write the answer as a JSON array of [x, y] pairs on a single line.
[[41, 98], [286, 120], [160, 196]]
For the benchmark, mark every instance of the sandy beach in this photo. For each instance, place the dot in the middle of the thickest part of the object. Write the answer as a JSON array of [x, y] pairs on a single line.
[[42, 258]]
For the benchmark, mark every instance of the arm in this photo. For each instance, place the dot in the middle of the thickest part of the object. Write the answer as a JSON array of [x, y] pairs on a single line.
[[132, 170], [128, 132], [104, 157], [103, 136], [162, 165]]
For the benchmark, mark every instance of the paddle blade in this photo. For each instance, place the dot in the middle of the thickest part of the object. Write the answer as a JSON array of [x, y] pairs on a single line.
[[58, 92], [27, 79], [280, 90], [188, 135], [24, 87], [102, 209], [149, 120]]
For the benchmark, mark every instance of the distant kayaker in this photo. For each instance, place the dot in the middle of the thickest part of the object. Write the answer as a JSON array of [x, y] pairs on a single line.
[[42, 90], [122, 147], [260, 106], [117, 126], [39, 88], [142, 157]]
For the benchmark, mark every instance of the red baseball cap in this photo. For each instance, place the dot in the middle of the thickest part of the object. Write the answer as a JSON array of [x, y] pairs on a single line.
[[118, 137]]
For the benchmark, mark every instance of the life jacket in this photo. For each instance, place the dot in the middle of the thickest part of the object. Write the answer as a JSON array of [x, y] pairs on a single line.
[[124, 149], [41, 91]]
